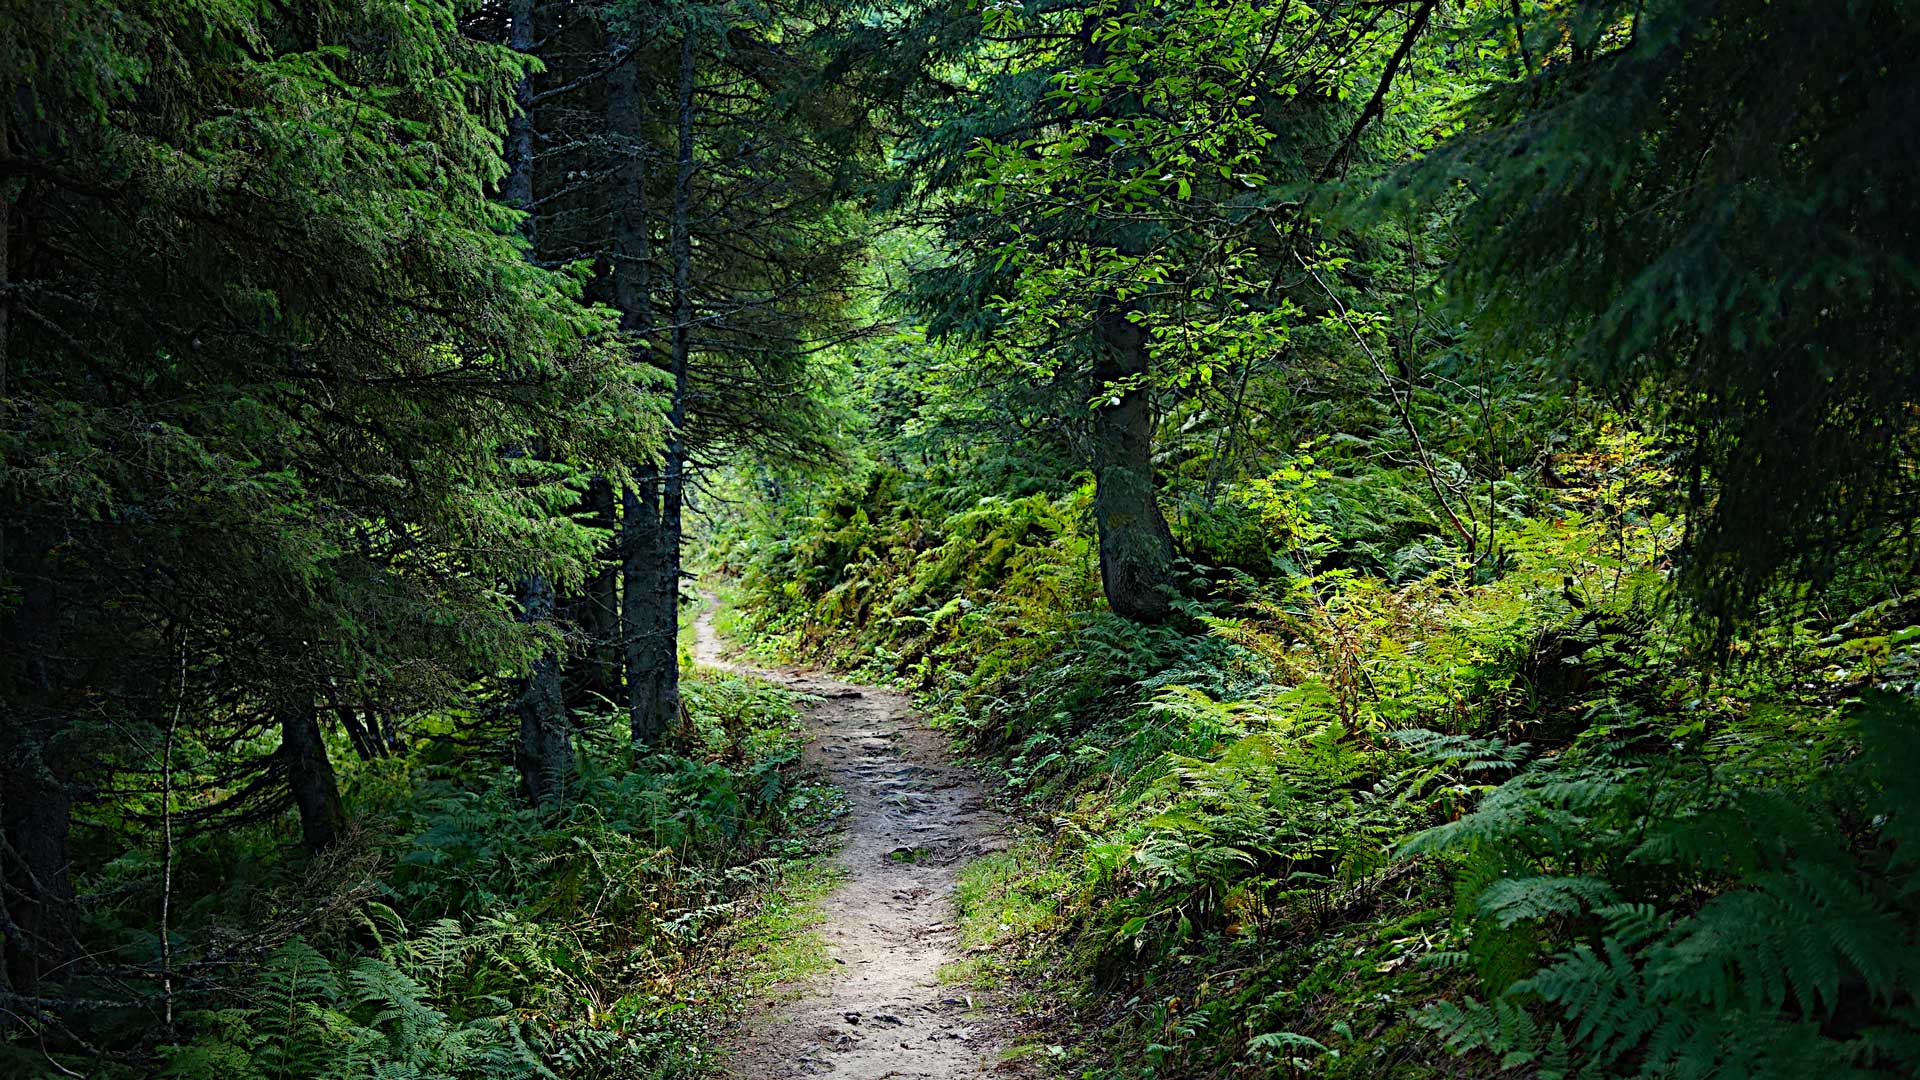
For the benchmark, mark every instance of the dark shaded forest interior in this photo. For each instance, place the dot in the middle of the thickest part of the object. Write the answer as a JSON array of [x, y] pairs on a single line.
[[1407, 507]]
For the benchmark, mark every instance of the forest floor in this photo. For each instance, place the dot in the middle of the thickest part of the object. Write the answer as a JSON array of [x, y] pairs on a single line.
[[883, 1009]]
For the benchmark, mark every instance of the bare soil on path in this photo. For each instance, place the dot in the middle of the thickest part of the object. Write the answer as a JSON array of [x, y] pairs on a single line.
[[915, 818]]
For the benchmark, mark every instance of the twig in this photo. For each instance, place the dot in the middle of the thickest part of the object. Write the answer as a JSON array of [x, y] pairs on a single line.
[[1520, 35], [1376, 105], [1400, 408], [166, 841]]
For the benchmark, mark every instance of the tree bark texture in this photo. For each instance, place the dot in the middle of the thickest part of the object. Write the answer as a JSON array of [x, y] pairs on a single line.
[[544, 751], [310, 778], [596, 611], [652, 666], [647, 637], [1136, 547], [653, 507], [665, 609]]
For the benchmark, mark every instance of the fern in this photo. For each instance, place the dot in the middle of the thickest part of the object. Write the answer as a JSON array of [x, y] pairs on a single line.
[[296, 1028], [1511, 900], [1812, 923]]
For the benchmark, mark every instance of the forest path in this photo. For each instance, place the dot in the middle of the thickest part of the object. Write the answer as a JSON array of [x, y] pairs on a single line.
[[916, 817]]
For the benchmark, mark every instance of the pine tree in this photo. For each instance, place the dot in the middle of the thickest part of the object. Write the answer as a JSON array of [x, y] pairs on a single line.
[[682, 158], [1707, 207], [1117, 191], [271, 349]]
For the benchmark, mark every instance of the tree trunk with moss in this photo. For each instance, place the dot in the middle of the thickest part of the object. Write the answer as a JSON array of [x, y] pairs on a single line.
[[1136, 547], [310, 777]]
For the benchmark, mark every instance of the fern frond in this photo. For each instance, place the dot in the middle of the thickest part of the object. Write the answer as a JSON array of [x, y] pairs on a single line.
[[1511, 900]]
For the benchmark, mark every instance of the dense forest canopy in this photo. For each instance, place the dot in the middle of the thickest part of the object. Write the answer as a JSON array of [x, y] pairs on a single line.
[[1413, 500]]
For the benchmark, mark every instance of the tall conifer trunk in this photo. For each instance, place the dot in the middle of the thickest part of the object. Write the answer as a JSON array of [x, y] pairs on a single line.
[[518, 187], [575, 42], [597, 610], [544, 750], [1136, 547], [650, 661], [651, 669], [310, 777], [653, 599], [673, 482]]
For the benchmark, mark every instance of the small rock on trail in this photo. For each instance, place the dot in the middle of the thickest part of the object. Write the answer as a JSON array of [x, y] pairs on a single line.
[[882, 1012]]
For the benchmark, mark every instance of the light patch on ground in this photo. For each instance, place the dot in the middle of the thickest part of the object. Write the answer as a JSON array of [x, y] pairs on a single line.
[[878, 1008]]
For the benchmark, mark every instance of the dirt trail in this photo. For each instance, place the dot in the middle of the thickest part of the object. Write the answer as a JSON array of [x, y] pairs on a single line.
[[916, 817]]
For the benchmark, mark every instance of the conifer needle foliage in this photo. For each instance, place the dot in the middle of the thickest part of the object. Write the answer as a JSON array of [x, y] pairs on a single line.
[[1414, 501], [1534, 425]]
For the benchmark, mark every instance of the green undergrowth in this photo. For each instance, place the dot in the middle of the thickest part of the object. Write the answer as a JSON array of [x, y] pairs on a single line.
[[1006, 900], [732, 622], [459, 933], [779, 945], [1385, 807]]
